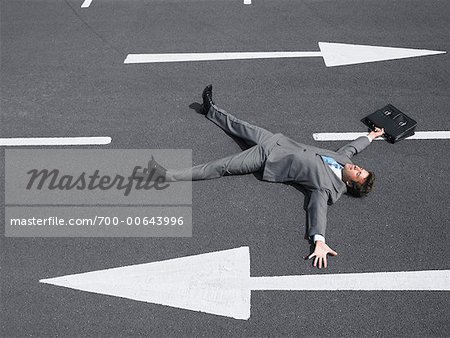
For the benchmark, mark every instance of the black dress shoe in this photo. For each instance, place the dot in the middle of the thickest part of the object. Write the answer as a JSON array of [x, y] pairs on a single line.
[[207, 99], [153, 172]]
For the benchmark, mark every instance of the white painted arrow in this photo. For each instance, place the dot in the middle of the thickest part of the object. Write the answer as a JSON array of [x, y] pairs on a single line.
[[53, 141], [219, 282], [334, 54]]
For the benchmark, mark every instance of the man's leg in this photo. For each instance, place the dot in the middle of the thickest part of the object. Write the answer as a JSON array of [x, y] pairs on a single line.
[[251, 134], [248, 161]]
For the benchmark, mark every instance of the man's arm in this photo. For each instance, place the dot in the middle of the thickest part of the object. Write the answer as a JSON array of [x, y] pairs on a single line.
[[360, 143], [317, 212], [317, 219]]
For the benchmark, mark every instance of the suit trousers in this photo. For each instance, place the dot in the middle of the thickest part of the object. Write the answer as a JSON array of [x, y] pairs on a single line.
[[247, 161]]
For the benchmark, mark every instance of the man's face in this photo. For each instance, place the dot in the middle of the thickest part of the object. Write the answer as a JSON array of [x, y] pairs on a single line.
[[352, 172]]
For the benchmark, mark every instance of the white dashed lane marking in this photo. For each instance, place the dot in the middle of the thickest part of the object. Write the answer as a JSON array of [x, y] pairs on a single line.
[[86, 3]]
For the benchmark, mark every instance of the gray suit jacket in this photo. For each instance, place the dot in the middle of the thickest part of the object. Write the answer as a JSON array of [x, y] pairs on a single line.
[[290, 161]]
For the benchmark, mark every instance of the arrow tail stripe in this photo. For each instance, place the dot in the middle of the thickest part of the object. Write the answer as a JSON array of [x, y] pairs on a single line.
[[432, 280], [183, 57]]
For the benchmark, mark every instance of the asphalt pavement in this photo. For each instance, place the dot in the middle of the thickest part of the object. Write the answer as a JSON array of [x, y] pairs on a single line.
[[62, 74]]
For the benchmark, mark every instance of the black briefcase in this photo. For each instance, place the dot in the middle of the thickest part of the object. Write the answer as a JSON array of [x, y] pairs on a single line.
[[396, 124]]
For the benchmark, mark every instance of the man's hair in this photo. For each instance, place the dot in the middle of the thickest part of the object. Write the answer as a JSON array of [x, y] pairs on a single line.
[[359, 190]]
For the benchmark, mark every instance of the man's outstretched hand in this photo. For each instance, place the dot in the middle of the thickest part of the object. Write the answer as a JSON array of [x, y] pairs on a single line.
[[320, 253], [376, 133]]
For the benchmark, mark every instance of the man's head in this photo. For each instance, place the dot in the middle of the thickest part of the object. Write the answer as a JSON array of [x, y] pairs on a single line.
[[358, 180]]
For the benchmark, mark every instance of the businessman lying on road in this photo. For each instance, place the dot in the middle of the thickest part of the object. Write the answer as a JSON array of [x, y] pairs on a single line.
[[323, 173]]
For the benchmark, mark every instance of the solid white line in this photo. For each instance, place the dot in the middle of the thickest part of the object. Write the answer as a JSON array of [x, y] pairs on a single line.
[[51, 141], [86, 3], [247, 2], [419, 135], [432, 280], [179, 57]]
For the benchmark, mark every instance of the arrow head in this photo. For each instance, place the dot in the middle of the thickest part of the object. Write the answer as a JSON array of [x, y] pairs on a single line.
[[341, 54], [216, 283]]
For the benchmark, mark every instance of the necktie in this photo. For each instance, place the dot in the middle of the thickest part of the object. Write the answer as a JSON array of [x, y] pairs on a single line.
[[332, 162]]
